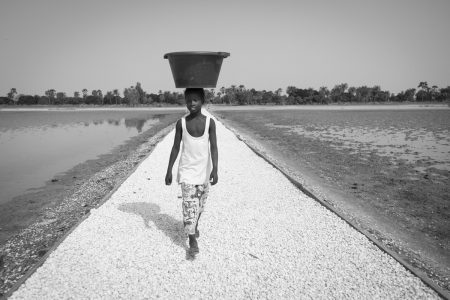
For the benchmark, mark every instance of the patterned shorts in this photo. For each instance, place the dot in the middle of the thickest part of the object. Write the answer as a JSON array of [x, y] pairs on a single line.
[[194, 199]]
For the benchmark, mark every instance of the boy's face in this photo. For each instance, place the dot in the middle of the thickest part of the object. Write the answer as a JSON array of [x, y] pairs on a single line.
[[193, 102]]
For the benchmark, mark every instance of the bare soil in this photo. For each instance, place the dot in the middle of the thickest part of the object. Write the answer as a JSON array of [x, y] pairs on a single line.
[[406, 209]]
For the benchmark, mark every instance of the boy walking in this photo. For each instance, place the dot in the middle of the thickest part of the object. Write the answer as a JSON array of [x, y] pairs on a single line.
[[198, 161]]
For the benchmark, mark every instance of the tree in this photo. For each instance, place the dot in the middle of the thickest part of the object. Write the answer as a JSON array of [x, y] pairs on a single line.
[[131, 95], [243, 96], [60, 97], [85, 93], [291, 91], [324, 94], [76, 94], [26, 100], [362, 94], [109, 97], [222, 91], [211, 95], [338, 91], [444, 94], [12, 93], [100, 96], [116, 95], [277, 96], [351, 93], [423, 85], [434, 92], [51, 95], [140, 92], [6, 100], [409, 95], [44, 100]]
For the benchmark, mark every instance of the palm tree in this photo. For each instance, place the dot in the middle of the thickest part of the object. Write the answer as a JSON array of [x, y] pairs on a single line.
[[100, 96], [434, 91], [116, 95], [423, 85], [109, 96]]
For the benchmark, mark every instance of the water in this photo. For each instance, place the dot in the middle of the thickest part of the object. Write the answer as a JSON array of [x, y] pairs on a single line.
[[37, 145], [418, 137], [400, 143], [411, 136]]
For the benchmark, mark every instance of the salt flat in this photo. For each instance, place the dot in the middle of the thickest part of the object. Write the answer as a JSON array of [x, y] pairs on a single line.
[[260, 238]]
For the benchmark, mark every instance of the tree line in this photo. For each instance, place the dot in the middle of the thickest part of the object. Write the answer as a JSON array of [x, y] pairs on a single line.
[[131, 96], [340, 93], [235, 95]]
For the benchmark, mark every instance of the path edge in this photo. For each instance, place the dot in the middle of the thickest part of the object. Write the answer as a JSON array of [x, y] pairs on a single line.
[[160, 135], [417, 272]]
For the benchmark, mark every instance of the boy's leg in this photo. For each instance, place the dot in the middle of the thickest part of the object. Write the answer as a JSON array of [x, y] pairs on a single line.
[[190, 208], [194, 198], [193, 245], [197, 232], [204, 190]]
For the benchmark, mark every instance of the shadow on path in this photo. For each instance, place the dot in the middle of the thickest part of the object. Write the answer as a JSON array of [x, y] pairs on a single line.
[[170, 226]]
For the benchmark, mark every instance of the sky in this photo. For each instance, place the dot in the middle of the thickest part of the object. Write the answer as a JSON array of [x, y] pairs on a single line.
[[109, 44]]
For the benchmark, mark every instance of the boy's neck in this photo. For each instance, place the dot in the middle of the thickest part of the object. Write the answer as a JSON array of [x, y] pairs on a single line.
[[195, 114]]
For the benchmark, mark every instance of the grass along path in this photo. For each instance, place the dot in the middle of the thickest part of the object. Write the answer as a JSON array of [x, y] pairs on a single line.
[[260, 238]]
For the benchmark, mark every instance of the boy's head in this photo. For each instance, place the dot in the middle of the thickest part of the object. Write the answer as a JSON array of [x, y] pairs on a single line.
[[197, 93], [195, 97]]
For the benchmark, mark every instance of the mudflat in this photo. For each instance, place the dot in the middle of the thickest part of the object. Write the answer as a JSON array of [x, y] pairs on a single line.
[[385, 167]]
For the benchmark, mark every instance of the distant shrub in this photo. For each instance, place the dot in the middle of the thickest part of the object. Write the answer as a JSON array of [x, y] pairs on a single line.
[[92, 100], [73, 100], [43, 100], [26, 100], [6, 101]]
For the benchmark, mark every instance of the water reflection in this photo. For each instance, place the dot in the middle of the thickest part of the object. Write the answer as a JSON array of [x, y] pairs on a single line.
[[31, 155], [137, 123]]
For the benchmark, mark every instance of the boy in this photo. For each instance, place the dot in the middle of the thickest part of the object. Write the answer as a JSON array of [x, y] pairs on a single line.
[[198, 133]]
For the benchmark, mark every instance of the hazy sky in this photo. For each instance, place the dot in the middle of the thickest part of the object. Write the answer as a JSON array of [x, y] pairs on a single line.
[[105, 44]]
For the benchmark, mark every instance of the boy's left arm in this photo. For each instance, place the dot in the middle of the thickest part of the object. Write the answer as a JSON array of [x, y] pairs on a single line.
[[214, 153]]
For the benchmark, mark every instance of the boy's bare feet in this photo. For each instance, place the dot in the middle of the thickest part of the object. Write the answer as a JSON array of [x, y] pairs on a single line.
[[193, 245]]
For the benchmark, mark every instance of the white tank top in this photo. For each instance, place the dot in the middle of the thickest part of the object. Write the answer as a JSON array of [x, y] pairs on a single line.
[[195, 164]]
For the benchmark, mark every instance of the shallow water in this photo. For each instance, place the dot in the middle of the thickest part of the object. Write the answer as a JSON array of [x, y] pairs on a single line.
[[35, 146], [418, 145], [416, 137]]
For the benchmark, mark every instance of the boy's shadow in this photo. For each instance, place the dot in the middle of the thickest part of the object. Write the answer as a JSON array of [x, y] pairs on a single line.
[[170, 226]]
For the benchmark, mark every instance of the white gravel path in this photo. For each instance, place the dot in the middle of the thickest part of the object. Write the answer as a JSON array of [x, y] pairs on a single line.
[[260, 238]]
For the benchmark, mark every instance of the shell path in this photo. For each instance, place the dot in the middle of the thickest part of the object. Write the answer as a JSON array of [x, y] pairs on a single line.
[[260, 237]]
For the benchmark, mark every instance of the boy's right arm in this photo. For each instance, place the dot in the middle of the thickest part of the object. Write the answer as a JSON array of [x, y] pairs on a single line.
[[174, 152]]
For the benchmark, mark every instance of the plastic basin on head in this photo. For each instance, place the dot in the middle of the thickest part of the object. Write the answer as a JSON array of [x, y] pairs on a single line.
[[196, 69]]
